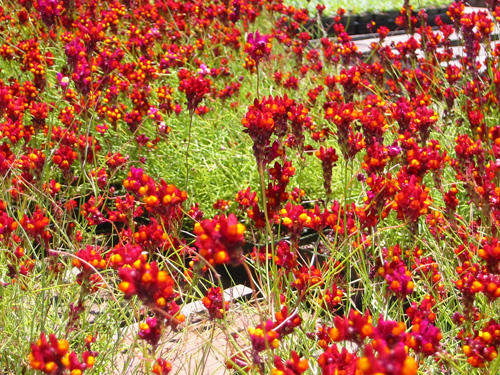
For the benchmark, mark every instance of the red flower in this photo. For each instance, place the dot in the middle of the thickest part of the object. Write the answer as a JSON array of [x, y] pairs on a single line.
[[425, 338], [355, 327], [162, 367], [258, 46], [36, 225], [398, 278], [195, 89], [53, 357], [151, 330], [334, 362], [64, 157], [263, 337], [328, 158], [389, 362], [213, 303], [87, 258], [482, 347], [293, 366], [220, 240]]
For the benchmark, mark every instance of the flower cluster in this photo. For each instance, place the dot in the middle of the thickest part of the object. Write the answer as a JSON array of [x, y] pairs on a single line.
[[263, 337], [213, 302], [355, 327], [36, 226], [258, 47], [153, 287], [220, 240], [482, 346], [293, 366], [275, 116], [390, 362], [397, 276], [89, 260], [328, 158], [52, 356], [334, 361], [161, 199], [162, 367], [195, 89]]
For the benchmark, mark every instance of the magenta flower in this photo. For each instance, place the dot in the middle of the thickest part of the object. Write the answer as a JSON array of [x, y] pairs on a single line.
[[258, 46], [63, 80]]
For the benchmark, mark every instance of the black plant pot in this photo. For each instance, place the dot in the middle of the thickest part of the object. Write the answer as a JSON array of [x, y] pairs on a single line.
[[359, 24]]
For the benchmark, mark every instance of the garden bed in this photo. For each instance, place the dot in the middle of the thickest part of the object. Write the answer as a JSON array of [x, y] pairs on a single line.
[[155, 155]]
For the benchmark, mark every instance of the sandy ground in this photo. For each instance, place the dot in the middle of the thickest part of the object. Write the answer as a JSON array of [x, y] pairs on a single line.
[[201, 347]]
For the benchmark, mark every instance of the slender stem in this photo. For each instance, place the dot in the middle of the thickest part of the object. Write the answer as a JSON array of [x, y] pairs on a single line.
[[206, 350], [264, 200], [147, 356], [254, 291], [269, 234], [266, 215], [349, 262], [191, 115], [258, 81]]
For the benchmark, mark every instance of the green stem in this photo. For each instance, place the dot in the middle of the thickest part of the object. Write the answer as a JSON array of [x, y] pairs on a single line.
[[269, 232], [191, 115], [348, 260], [258, 81], [206, 350]]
